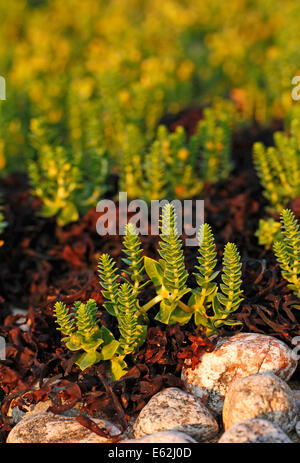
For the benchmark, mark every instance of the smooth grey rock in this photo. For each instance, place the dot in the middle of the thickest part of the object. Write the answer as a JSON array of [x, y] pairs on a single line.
[[176, 410], [297, 428], [262, 396], [254, 431], [297, 399], [163, 437], [238, 356], [46, 427]]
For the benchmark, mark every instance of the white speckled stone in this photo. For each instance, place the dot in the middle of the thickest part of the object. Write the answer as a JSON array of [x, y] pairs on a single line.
[[49, 428], [254, 431], [260, 396], [176, 410], [241, 355], [163, 437]]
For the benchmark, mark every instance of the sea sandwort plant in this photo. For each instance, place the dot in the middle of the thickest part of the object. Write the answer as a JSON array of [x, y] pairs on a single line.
[[210, 304]]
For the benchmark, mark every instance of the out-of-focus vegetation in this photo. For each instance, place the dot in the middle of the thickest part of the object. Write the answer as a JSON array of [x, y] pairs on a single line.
[[174, 166], [268, 232], [287, 250], [119, 66], [278, 167]]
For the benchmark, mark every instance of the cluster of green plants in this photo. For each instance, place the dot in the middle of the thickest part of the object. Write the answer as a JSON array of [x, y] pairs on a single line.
[[269, 230], [287, 250], [283, 237], [92, 106], [109, 52], [71, 176], [174, 166], [120, 66], [80, 325], [67, 181], [140, 60], [278, 168], [81, 331], [209, 304]]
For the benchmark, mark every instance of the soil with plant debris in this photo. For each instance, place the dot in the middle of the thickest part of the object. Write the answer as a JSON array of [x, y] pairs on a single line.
[[41, 263]]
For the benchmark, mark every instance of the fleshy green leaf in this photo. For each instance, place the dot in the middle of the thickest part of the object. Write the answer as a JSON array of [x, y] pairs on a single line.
[[109, 350], [118, 368], [106, 335], [179, 316], [165, 312], [153, 271], [87, 360]]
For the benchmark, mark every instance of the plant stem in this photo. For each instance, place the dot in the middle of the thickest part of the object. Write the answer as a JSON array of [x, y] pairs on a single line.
[[185, 307], [151, 303], [158, 298]]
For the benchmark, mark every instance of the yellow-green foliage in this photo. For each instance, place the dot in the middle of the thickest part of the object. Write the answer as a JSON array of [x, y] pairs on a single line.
[[68, 182], [121, 300], [82, 333], [173, 166], [80, 325], [141, 59], [215, 144], [132, 154], [211, 304], [268, 232], [278, 167], [171, 267], [70, 177], [133, 259], [287, 250], [132, 333], [221, 300]]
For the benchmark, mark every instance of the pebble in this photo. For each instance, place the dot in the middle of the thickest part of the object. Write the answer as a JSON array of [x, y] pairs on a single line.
[[163, 437], [241, 355], [47, 428], [176, 410], [263, 395], [254, 431]]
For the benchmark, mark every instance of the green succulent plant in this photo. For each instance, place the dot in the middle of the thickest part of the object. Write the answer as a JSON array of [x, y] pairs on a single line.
[[133, 259], [268, 232], [67, 181], [214, 133], [169, 277], [278, 167], [121, 299], [173, 166], [81, 331], [287, 250], [210, 303]]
